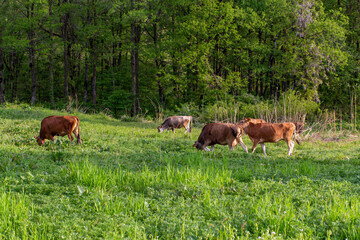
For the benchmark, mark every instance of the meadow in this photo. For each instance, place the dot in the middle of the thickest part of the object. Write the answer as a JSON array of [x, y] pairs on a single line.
[[127, 181]]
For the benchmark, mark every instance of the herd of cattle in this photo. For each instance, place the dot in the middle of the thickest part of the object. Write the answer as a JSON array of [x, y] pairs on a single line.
[[258, 130]]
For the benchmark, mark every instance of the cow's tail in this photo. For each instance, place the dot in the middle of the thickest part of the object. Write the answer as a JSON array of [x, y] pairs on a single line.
[[77, 130]]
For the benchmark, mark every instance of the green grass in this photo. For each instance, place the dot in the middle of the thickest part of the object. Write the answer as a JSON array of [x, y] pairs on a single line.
[[126, 181]]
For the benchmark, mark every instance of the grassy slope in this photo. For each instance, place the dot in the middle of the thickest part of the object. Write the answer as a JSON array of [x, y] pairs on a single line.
[[128, 181]]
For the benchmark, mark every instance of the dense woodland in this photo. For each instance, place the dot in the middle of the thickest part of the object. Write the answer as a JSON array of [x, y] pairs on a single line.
[[145, 57]]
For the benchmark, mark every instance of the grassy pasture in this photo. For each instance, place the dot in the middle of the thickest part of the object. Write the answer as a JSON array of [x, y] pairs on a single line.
[[126, 181]]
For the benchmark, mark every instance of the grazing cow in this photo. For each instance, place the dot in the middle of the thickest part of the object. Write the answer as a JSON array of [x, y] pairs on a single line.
[[59, 126], [220, 133], [176, 122], [253, 120], [299, 127], [270, 132]]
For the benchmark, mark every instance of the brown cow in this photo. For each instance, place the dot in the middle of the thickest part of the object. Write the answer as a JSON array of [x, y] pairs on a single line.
[[176, 122], [299, 127], [270, 132], [220, 133], [253, 120], [59, 126]]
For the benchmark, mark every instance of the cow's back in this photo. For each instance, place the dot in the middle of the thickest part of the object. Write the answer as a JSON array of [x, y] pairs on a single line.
[[177, 121], [270, 132], [251, 120], [218, 133], [57, 125]]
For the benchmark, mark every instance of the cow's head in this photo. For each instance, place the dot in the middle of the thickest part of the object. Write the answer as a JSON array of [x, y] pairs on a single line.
[[198, 145], [160, 129], [39, 140], [244, 122]]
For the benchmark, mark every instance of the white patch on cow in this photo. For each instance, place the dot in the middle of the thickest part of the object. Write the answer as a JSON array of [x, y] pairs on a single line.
[[291, 148], [207, 149]]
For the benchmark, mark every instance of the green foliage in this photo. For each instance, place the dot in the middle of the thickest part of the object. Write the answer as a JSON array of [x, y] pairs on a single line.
[[290, 107], [119, 102], [206, 54]]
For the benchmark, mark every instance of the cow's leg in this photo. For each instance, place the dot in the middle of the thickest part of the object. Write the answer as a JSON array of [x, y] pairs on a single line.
[[78, 138], [70, 137], [232, 144], [187, 127], [263, 148], [254, 146], [173, 129], [242, 144], [77, 133], [292, 144], [212, 148], [206, 143], [49, 136]]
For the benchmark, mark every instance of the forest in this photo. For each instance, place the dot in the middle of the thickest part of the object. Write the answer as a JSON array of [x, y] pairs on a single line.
[[153, 58]]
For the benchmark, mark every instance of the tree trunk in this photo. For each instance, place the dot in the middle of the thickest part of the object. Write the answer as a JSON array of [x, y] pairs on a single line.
[[93, 79], [158, 66], [13, 75], [93, 45], [249, 74], [86, 79], [2, 78], [66, 68], [32, 56], [51, 64], [262, 92], [135, 39]]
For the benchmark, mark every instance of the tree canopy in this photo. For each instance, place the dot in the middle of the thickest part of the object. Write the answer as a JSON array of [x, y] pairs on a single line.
[[134, 56]]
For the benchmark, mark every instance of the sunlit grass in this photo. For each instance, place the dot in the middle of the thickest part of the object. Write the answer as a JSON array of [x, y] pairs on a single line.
[[126, 181]]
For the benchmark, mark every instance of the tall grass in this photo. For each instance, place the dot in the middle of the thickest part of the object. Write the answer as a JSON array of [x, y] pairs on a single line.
[[14, 215], [167, 176]]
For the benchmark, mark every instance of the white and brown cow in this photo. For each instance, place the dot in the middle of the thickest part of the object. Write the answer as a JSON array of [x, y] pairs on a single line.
[[220, 133], [176, 122], [269, 132]]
